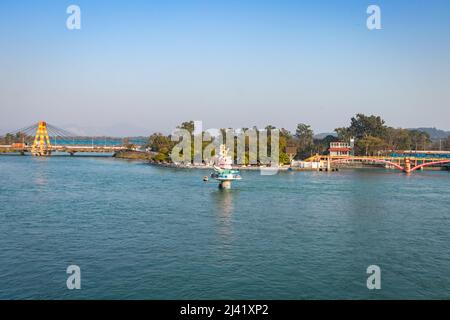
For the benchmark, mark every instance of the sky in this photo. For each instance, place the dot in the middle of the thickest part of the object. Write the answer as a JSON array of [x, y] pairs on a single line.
[[137, 67]]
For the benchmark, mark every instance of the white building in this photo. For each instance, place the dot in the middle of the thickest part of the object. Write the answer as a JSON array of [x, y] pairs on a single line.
[[340, 148]]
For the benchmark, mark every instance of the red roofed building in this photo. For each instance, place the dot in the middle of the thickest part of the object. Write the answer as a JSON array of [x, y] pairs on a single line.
[[339, 148]]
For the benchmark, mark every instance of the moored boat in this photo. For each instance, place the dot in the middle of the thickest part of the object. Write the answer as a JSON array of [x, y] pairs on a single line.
[[223, 171]]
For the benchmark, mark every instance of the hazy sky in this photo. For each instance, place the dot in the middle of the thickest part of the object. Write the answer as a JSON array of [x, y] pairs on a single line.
[[137, 67]]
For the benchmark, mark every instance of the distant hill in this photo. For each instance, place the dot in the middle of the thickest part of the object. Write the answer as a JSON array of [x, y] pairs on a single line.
[[435, 134], [320, 136]]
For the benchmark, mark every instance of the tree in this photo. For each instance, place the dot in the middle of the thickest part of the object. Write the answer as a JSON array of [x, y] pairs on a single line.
[[371, 145], [188, 125], [446, 144], [161, 157], [367, 128], [9, 138], [284, 158], [305, 138], [160, 143], [321, 146], [397, 139], [343, 134], [362, 126], [304, 134], [419, 139]]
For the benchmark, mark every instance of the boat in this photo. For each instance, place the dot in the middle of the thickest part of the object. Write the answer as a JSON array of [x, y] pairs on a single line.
[[223, 171], [226, 174]]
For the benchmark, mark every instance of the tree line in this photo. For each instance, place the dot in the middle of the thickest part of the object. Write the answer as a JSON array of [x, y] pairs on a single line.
[[16, 138], [372, 137]]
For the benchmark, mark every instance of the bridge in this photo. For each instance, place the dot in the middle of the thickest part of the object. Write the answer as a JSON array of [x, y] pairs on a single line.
[[408, 162], [37, 140]]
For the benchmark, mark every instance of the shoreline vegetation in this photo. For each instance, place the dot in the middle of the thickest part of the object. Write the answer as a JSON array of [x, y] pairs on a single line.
[[141, 156], [134, 155], [371, 135], [147, 157]]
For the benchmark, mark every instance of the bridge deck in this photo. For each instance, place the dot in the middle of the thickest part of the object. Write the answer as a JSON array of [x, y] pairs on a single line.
[[65, 148], [387, 158]]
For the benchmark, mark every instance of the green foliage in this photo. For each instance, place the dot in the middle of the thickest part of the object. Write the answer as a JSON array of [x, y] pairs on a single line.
[[160, 143], [371, 145], [161, 157], [371, 135], [446, 144], [188, 125], [284, 158], [362, 126], [321, 146], [419, 140], [304, 136], [16, 138]]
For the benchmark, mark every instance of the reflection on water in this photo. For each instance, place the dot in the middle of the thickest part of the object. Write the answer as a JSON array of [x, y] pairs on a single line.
[[223, 200], [40, 175]]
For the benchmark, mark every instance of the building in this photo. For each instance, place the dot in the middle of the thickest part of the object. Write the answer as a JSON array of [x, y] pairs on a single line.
[[340, 148]]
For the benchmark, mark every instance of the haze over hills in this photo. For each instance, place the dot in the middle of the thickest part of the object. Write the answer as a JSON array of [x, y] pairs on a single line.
[[435, 134], [129, 130], [323, 135]]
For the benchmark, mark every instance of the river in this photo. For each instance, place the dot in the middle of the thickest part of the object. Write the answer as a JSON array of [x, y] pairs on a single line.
[[143, 232]]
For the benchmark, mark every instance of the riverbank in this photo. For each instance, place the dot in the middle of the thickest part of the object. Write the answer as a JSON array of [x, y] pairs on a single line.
[[203, 166], [134, 155], [149, 156], [283, 168]]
